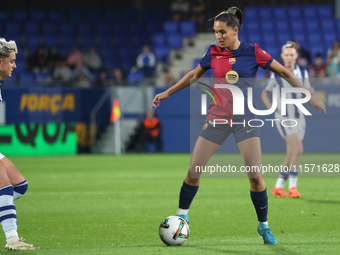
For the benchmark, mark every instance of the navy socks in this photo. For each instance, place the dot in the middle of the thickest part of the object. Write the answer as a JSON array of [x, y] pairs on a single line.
[[260, 201]]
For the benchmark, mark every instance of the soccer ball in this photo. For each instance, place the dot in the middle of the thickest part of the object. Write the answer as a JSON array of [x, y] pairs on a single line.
[[174, 231]]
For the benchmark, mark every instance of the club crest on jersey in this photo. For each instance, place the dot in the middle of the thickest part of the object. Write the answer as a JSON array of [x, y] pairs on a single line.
[[232, 61], [232, 77], [205, 126]]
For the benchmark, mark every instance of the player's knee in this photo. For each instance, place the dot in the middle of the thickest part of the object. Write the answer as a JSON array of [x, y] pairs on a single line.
[[255, 181], [20, 189]]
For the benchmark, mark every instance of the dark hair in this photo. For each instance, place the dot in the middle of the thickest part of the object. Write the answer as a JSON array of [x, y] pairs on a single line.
[[232, 17]]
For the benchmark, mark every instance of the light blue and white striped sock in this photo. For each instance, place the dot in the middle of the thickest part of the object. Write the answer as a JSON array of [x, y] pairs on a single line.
[[19, 190], [8, 214]]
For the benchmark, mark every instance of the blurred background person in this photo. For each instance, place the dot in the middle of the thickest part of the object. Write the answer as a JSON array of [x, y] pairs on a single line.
[[92, 59], [62, 73], [198, 14], [74, 56], [152, 128], [38, 60], [318, 68], [179, 9], [146, 62]]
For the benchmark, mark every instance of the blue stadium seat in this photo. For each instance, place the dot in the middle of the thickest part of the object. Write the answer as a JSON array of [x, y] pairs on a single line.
[[282, 27], [33, 42], [269, 39], [301, 38], [265, 13], [242, 36], [102, 28], [38, 15], [49, 28], [52, 40], [325, 11], [95, 15], [3, 15], [294, 12], [253, 27], [137, 28], [12, 82], [329, 38], [318, 49], [153, 27], [170, 27], [15, 37], [297, 27], [280, 13], [112, 15], [187, 28], [86, 42], [55, 16], [162, 53], [42, 77], [175, 41], [314, 39], [119, 28], [76, 15], [27, 77], [328, 26], [122, 41], [128, 54], [255, 38], [105, 42], [67, 29], [131, 14], [21, 65], [135, 78], [251, 13], [31, 28], [69, 41], [312, 26], [283, 38], [20, 14], [158, 39], [267, 27], [85, 29], [309, 12], [150, 14], [13, 27], [140, 40]]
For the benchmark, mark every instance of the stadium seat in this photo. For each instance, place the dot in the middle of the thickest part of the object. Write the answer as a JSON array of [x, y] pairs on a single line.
[[122, 41], [265, 13], [325, 11], [150, 14], [52, 40], [137, 28], [312, 26], [280, 13], [140, 40], [49, 28], [283, 38], [282, 27], [329, 38], [314, 39], [19, 15], [273, 50], [112, 15], [297, 27], [3, 15], [294, 12], [67, 29], [95, 15], [69, 41], [15, 37], [86, 42], [314, 50], [196, 62], [300, 37], [269, 39], [102, 29], [119, 28], [162, 53], [33, 42], [7, 83], [85, 29], [76, 16], [158, 39], [13, 27], [255, 38], [267, 27], [31, 28], [131, 14], [328, 26], [105, 42], [55, 15], [135, 78], [251, 13], [27, 77], [187, 28], [153, 27], [170, 27], [309, 12], [253, 27], [38, 15], [175, 41]]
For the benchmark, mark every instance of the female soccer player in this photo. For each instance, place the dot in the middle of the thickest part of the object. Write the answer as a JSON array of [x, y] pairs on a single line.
[[12, 184], [292, 135], [230, 61]]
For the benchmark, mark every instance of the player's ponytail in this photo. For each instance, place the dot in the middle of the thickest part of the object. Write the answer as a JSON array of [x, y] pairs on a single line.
[[233, 16]]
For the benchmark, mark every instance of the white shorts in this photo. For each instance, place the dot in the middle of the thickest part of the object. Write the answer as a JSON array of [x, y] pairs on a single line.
[[1, 156], [299, 129]]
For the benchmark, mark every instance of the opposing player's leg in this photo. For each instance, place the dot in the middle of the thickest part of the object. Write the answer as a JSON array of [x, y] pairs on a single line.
[[251, 153], [202, 152], [17, 180], [295, 145]]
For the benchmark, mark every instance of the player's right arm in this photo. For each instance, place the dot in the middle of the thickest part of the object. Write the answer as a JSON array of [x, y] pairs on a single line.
[[183, 83]]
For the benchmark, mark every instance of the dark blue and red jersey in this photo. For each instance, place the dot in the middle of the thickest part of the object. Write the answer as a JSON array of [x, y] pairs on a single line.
[[233, 67]]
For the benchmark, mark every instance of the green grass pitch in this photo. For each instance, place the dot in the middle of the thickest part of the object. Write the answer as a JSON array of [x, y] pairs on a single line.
[[113, 205]]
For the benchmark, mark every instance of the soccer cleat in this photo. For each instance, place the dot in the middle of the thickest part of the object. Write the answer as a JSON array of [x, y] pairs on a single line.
[[294, 193], [21, 246], [184, 217], [264, 231], [279, 192]]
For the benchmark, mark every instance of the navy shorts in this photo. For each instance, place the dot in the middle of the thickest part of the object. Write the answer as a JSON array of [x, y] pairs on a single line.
[[220, 132]]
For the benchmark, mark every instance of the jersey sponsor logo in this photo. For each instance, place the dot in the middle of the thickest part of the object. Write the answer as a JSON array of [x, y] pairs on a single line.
[[232, 61], [219, 56], [232, 77]]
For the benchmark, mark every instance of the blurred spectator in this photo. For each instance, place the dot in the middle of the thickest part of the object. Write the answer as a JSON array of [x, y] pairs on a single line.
[[118, 79], [74, 56], [62, 73], [38, 61], [152, 127], [169, 79], [102, 80], [198, 14], [318, 69], [52, 58], [92, 59], [304, 59], [333, 54], [179, 9], [82, 81], [80, 68], [146, 62]]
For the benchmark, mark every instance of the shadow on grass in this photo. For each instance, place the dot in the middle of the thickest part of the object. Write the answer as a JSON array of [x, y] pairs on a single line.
[[319, 201]]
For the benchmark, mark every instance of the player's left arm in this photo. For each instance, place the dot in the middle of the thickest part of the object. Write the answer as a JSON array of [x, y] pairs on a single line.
[[279, 69]]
